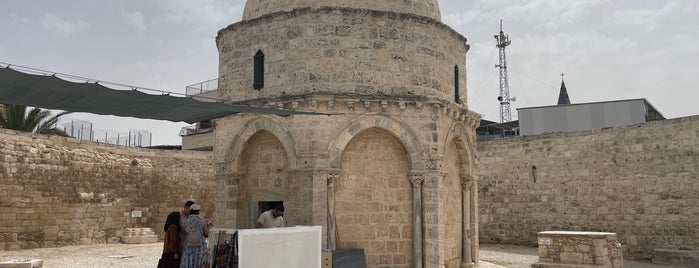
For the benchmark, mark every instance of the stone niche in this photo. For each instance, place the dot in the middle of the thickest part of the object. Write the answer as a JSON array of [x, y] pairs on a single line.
[[578, 249]]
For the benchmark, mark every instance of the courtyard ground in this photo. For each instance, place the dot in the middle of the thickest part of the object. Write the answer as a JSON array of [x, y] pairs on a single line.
[[146, 255]]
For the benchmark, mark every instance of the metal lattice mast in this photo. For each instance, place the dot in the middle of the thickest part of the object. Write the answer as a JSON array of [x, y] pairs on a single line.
[[504, 97]]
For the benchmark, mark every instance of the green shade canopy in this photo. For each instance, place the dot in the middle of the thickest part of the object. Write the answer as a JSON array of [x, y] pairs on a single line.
[[51, 92]]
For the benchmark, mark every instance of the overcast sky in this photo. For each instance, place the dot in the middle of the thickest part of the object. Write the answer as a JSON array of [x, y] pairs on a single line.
[[608, 49]]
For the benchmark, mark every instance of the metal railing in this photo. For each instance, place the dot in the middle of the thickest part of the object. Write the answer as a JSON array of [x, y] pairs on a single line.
[[83, 130], [199, 88], [198, 128]]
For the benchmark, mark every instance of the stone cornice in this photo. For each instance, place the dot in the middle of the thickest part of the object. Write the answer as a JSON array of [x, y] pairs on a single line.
[[275, 16], [369, 104]]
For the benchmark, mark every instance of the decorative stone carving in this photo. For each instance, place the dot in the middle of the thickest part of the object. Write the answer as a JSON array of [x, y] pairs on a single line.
[[350, 105], [466, 182], [332, 178], [416, 180]]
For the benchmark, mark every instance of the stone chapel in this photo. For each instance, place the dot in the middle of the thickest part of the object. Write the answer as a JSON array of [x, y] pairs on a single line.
[[393, 169]]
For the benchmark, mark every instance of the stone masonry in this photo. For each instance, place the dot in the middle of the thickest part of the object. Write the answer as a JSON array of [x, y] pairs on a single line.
[[58, 191], [639, 181], [578, 249], [393, 169]]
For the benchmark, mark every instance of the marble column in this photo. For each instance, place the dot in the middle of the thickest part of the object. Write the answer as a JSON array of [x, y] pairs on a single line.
[[474, 218], [466, 256], [332, 177], [416, 180]]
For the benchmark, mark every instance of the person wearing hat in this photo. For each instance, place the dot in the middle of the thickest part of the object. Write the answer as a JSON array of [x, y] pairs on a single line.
[[197, 229]]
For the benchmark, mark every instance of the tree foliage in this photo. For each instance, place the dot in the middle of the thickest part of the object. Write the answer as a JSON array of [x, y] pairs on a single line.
[[36, 120]]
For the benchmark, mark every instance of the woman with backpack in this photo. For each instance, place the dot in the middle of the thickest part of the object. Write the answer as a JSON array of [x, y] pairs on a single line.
[[194, 254]]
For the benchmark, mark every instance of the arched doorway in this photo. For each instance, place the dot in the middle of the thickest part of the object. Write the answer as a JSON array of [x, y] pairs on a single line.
[[264, 180], [374, 199]]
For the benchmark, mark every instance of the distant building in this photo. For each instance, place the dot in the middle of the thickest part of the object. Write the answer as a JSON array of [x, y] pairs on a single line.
[[567, 117], [584, 116], [488, 130]]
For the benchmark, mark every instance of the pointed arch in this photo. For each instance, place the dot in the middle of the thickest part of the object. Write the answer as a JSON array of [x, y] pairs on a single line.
[[398, 129], [277, 128], [463, 139]]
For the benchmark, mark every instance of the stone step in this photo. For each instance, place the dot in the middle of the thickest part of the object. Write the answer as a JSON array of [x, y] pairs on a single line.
[[564, 265], [28, 263], [139, 236]]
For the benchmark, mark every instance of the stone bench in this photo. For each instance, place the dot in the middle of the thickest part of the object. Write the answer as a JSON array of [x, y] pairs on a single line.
[[558, 249]]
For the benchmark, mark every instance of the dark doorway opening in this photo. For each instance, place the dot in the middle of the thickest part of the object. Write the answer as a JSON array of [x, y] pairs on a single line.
[[267, 205]]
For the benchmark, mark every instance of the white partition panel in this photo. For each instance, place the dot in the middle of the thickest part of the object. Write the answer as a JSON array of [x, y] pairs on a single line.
[[280, 247]]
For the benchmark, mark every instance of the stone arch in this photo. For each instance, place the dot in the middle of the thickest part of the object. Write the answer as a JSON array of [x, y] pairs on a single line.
[[271, 125], [397, 129], [463, 139], [459, 185], [374, 199], [263, 177]]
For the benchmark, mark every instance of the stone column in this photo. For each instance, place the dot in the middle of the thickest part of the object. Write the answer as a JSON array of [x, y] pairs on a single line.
[[474, 217], [332, 177], [466, 256], [416, 180]]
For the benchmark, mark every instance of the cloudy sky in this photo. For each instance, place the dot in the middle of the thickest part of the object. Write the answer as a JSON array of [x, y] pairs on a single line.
[[608, 49]]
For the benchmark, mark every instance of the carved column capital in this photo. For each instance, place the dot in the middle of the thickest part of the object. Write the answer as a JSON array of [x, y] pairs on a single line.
[[466, 181], [332, 178], [416, 180]]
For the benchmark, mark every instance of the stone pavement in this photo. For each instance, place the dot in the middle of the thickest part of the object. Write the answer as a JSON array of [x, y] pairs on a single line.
[[146, 255]]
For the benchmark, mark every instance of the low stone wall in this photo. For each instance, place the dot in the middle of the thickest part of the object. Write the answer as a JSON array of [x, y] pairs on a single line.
[[57, 191], [579, 249], [639, 181]]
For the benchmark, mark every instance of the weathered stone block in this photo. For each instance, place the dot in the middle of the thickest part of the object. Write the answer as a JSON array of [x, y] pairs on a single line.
[[22, 263], [564, 248]]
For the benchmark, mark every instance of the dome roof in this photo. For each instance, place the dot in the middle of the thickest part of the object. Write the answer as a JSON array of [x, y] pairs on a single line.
[[427, 8]]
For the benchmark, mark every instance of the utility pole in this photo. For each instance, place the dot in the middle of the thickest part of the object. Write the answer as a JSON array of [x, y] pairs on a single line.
[[504, 97]]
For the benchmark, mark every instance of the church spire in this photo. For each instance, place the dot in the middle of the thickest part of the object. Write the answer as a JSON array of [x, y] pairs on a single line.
[[563, 94]]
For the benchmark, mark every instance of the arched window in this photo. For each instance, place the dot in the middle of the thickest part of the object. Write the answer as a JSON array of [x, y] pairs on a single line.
[[456, 84], [259, 76]]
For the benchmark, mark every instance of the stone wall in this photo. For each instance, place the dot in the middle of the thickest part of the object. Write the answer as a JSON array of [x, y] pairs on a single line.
[[57, 191], [341, 52], [639, 181]]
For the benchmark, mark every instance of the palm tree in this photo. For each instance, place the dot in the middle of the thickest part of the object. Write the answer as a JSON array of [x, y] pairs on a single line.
[[37, 120]]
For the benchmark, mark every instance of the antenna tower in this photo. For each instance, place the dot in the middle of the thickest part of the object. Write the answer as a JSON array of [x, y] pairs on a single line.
[[504, 97]]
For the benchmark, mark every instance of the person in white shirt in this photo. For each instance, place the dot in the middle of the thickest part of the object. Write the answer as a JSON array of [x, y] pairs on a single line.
[[272, 218]]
